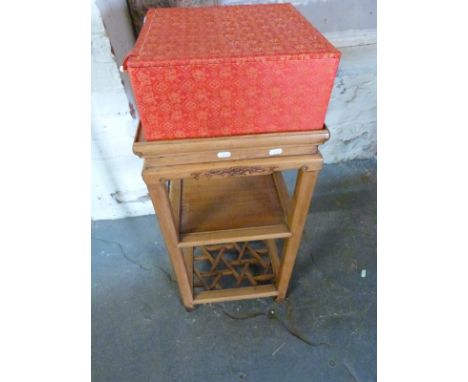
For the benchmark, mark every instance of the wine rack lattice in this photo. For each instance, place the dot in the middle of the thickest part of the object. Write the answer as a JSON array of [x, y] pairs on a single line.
[[232, 266]]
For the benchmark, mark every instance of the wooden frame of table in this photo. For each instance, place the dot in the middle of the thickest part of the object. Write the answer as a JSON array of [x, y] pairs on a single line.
[[221, 194]]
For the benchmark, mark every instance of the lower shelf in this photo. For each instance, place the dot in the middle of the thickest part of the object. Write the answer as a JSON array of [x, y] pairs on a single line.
[[232, 209]]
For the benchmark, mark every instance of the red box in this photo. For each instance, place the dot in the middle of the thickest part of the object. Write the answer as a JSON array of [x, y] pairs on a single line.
[[219, 71]]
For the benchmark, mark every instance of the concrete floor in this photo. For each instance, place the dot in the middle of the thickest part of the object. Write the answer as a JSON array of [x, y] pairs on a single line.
[[325, 331]]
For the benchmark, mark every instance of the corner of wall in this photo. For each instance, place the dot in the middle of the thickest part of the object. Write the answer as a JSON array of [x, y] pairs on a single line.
[[118, 190]]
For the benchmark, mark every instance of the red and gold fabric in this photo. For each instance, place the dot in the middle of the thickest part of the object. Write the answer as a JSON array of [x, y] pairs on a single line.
[[220, 71]]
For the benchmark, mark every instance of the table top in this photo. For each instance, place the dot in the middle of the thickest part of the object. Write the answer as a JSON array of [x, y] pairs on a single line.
[[244, 143]]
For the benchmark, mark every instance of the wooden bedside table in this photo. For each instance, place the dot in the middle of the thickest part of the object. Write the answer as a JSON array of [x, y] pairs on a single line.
[[223, 208]]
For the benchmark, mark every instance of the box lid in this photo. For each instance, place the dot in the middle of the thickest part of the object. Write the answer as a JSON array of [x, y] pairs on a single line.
[[181, 36]]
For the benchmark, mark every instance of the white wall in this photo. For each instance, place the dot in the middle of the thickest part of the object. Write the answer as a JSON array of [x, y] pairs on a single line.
[[352, 112], [118, 190], [118, 27]]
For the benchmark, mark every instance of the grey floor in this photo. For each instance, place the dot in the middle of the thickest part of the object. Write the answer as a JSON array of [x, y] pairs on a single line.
[[325, 331]]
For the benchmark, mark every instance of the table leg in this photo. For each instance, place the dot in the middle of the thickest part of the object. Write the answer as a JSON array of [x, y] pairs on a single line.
[[188, 259], [162, 206], [303, 191]]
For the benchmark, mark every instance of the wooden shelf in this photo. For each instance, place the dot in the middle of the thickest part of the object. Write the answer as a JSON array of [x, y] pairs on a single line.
[[279, 231], [230, 209], [245, 293]]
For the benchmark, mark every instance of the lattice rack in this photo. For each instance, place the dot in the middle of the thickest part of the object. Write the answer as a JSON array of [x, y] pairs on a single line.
[[231, 228], [234, 265]]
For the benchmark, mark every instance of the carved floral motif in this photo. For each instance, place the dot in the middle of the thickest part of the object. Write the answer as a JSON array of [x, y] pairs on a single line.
[[235, 171]]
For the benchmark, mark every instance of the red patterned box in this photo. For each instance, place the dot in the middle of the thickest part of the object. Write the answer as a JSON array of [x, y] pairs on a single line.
[[219, 71]]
